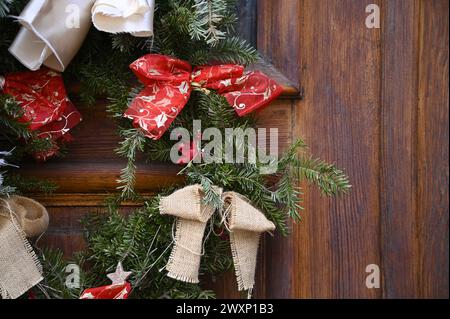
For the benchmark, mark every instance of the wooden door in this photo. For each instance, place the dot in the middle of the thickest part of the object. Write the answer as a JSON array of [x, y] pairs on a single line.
[[375, 101]]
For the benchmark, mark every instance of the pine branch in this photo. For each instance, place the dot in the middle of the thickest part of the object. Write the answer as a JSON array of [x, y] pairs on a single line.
[[134, 141], [229, 50], [120, 100], [290, 196], [211, 196], [5, 188], [17, 133], [209, 14], [220, 114], [24, 185], [160, 151], [10, 111], [330, 180], [4, 7], [294, 167], [127, 43], [53, 286], [142, 242]]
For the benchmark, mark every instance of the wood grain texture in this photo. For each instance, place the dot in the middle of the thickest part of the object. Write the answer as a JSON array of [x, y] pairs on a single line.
[[278, 42], [272, 249], [85, 182], [66, 231], [339, 117], [433, 171], [400, 49], [247, 22], [92, 166], [375, 101], [278, 35]]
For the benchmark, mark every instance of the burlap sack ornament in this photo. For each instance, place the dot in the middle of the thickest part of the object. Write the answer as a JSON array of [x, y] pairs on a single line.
[[245, 223], [32, 216], [20, 269], [192, 216]]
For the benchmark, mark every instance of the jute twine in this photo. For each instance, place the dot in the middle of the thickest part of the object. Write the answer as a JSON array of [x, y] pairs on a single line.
[[20, 269], [245, 223]]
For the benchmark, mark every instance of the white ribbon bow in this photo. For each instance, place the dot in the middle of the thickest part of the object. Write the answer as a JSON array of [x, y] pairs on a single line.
[[124, 16], [52, 32]]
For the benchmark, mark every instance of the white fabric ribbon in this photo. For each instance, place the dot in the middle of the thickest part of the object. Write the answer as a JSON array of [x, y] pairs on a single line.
[[124, 16], [52, 32]]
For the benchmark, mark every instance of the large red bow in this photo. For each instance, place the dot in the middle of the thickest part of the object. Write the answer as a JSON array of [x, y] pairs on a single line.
[[169, 83], [45, 104]]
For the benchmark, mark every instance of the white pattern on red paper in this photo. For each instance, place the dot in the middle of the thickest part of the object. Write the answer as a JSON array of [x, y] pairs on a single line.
[[169, 83]]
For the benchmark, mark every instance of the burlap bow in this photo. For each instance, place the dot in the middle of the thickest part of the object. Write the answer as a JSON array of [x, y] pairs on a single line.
[[52, 32], [20, 270], [245, 222]]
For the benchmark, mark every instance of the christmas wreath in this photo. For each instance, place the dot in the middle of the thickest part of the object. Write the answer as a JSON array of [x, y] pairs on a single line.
[[186, 64]]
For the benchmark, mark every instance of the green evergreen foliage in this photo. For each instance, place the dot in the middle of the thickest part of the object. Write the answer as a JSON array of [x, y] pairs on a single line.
[[26, 185], [201, 32], [5, 188], [134, 141], [143, 242], [4, 7], [8, 31], [15, 134], [54, 285]]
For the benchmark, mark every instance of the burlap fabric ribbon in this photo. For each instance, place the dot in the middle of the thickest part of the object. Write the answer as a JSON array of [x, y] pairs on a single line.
[[20, 270], [245, 223]]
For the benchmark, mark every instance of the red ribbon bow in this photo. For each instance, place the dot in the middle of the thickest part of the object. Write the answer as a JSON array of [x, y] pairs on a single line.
[[45, 104], [169, 83], [121, 291]]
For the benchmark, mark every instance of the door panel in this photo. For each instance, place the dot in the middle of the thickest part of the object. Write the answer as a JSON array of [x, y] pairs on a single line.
[[375, 101]]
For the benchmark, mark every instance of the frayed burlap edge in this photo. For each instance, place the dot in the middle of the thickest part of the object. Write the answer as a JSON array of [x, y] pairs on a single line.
[[15, 228]]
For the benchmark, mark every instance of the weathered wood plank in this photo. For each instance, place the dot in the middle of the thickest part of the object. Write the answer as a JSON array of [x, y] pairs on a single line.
[[290, 89], [278, 35], [101, 177], [433, 135], [339, 117], [65, 230], [376, 102], [400, 50], [83, 199], [247, 20]]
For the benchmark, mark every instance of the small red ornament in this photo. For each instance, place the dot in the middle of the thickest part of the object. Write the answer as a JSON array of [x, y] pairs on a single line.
[[31, 294], [189, 152], [119, 289]]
